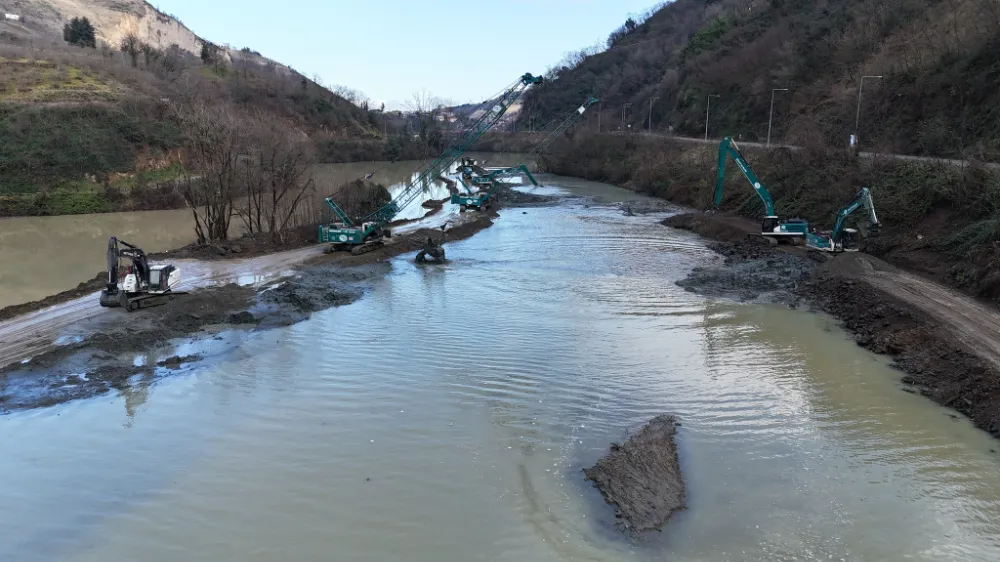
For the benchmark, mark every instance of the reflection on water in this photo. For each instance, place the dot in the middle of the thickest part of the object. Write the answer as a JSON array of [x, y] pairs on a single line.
[[447, 416]]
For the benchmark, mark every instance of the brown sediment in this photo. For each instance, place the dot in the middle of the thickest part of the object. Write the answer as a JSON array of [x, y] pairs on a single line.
[[642, 477]]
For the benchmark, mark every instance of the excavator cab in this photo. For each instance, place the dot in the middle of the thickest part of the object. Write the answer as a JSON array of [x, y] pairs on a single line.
[[850, 240]]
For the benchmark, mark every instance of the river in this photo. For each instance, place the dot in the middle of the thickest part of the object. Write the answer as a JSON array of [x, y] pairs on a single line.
[[448, 413], [48, 255]]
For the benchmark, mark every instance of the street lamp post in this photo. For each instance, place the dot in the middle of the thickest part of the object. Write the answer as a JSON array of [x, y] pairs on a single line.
[[707, 108], [857, 115], [770, 114], [651, 100], [624, 107]]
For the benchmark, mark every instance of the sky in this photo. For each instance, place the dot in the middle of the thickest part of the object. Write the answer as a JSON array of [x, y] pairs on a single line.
[[459, 51]]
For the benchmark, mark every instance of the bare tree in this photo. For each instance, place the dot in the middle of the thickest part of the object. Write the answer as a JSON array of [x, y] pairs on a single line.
[[132, 46], [277, 175], [422, 102], [215, 141]]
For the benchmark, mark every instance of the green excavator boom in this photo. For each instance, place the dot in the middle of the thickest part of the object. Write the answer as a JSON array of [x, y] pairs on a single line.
[[727, 149], [384, 215]]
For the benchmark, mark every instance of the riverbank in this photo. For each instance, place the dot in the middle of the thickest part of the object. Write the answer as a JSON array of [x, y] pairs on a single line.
[[946, 344]]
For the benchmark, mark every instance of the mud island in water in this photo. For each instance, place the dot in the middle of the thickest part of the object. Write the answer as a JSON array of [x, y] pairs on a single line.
[[642, 477]]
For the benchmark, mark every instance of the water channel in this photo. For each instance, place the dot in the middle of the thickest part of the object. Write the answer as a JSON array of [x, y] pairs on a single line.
[[448, 413]]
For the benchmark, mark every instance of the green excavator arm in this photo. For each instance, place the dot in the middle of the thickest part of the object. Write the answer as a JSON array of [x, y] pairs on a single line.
[[567, 123], [727, 149], [862, 199]]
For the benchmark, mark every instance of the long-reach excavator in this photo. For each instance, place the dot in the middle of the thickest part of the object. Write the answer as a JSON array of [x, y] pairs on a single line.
[[771, 227], [369, 233], [489, 179], [139, 284], [841, 238]]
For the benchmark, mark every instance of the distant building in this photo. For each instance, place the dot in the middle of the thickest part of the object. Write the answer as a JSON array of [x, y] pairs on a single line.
[[12, 17]]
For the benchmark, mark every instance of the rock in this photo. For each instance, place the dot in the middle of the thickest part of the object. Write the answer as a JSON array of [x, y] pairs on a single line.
[[244, 317], [175, 361], [642, 477], [236, 249], [217, 250]]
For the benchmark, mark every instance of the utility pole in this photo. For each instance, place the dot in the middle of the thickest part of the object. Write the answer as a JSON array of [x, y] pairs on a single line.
[[624, 107], [651, 100], [707, 108], [857, 116], [770, 114], [600, 104]]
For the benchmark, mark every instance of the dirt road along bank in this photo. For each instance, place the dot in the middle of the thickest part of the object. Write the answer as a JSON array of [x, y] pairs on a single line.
[[642, 477], [947, 344]]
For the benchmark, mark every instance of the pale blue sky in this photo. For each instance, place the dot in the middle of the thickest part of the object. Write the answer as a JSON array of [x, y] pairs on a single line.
[[460, 50]]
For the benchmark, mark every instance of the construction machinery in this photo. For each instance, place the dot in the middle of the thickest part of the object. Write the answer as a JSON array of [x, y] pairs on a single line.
[[432, 252], [772, 227], [841, 238], [488, 180], [369, 232], [136, 284]]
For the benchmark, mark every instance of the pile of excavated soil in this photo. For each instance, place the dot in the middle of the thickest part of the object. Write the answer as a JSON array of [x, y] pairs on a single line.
[[716, 226], [642, 477], [245, 247], [510, 197], [752, 271]]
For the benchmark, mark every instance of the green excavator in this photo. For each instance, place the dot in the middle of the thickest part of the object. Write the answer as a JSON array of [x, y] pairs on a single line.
[[369, 233], [772, 227], [488, 180], [841, 238]]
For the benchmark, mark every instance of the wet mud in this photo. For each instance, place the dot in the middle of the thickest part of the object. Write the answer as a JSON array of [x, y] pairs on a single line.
[[125, 345], [752, 271], [642, 477], [946, 345]]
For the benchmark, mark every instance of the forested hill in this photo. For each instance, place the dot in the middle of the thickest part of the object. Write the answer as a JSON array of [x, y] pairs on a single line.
[[939, 60]]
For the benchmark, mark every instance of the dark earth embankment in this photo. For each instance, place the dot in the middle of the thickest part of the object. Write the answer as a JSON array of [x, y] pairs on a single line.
[[642, 477], [946, 344]]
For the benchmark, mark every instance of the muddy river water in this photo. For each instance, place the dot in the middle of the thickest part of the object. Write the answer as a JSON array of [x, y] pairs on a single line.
[[448, 413]]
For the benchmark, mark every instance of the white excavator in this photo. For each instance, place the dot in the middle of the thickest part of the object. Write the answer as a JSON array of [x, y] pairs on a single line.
[[137, 284]]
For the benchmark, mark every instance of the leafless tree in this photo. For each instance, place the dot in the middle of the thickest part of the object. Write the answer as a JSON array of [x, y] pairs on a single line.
[[132, 46], [422, 102], [215, 138], [277, 175]]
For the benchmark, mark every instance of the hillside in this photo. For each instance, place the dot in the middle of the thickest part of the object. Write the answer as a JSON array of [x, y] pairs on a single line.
[[113, 21], [97, 129], [940, 62]]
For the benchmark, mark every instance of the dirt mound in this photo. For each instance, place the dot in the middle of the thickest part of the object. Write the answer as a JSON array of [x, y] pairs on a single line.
[[642, 478], [245, 247], [715, 226], [752, 271], [510, 197]]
